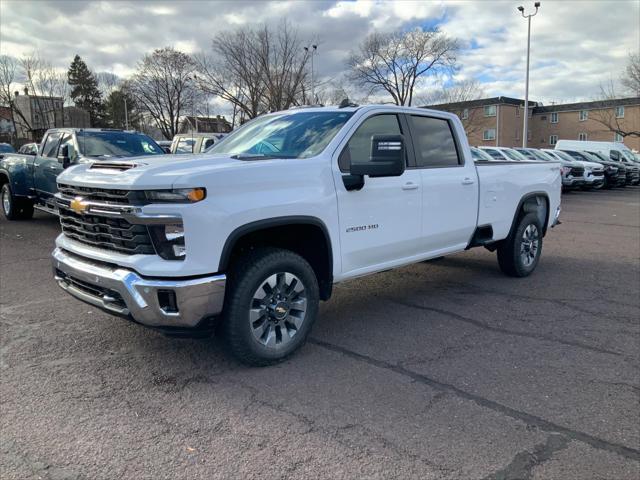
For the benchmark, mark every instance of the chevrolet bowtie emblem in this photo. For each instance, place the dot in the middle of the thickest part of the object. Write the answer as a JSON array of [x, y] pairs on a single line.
[[79, 206]]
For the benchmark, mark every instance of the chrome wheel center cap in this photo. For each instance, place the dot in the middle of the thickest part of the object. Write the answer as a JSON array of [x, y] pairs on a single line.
[[280, 310]]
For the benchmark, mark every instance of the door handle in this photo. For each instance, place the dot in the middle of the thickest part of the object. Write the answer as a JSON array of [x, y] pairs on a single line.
[[468, 181], [410, 186]]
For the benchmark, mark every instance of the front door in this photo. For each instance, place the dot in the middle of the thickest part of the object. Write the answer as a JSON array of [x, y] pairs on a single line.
[[379, 224], [47, 167]]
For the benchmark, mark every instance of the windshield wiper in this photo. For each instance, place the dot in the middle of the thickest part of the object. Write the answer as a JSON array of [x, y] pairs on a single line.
[[256, 156]]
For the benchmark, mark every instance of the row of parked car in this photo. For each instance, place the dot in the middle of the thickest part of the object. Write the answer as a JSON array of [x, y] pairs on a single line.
[[585, 165]]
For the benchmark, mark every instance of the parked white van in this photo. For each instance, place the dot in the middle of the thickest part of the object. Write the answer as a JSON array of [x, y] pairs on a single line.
[[614, 150]]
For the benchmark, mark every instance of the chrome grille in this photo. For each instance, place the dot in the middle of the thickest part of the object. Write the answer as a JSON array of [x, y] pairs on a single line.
[[102, 227], [120, 197]]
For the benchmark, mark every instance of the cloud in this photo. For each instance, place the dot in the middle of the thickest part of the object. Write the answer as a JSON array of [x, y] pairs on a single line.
[[576, 45]]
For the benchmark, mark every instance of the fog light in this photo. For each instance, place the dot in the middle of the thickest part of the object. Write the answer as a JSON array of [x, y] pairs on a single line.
[[168, 241]]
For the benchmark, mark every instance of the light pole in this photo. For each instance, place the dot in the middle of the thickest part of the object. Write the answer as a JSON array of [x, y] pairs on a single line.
[[126, 113], [314, 50], [525, 128]]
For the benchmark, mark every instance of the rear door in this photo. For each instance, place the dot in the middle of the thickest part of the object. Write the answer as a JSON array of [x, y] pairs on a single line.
[[449, 185], [380, 223]]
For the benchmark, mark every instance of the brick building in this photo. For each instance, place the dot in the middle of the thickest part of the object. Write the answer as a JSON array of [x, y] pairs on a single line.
[[498, 121]]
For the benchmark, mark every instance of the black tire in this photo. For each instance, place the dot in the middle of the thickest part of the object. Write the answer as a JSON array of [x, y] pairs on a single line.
[[607, 183], [12, 207], [515, 251], [247, 279]]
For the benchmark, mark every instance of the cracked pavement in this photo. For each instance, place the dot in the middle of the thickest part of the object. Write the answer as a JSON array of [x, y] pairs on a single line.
[[440, 370]]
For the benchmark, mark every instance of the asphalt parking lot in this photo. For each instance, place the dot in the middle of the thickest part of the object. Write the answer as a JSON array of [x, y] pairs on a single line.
[[443, 370]]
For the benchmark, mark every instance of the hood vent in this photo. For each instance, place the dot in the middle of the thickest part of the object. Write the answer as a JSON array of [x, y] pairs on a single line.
[[120, 167]]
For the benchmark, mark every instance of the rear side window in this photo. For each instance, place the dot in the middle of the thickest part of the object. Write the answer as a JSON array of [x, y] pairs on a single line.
[[206, 144], [434, 142], [185, 145], [51, 145], [358, 150]]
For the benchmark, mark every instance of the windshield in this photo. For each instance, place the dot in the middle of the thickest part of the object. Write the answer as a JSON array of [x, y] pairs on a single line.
[[564, 156], [601, 156], [284, 135], [542, 156], [526, 153], [116, 144], [479, 155], [628, 155], [513, 155]]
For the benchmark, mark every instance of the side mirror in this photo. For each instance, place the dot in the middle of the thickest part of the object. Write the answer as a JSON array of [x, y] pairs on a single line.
[[614, 155], [386, 159], [63, 158]]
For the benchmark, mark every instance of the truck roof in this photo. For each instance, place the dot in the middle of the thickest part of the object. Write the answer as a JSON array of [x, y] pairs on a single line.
[[354, 108], [76, 129]]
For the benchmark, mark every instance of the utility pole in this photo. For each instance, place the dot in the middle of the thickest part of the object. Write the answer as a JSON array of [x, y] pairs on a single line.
[[126, 113], [525, 128], [313, 51]]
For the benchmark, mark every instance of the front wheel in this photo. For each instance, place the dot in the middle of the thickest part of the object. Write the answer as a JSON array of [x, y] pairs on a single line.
[[271, 305], [520, 252], [12, 207]]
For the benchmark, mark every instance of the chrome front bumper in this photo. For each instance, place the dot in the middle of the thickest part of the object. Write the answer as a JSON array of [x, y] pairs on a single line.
[[123, 292]]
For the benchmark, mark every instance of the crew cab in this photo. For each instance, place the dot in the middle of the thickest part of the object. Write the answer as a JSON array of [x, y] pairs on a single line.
[[28, 180], [196, 142], [250, 242]]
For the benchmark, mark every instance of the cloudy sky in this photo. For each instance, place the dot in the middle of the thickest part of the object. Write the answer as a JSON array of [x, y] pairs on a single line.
[[576, 45]]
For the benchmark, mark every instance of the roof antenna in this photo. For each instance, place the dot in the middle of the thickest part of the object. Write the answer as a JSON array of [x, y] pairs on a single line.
[[347, 103]]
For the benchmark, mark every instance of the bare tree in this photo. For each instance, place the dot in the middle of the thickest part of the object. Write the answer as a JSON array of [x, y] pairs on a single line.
[[396, 62], [606, 115], [631, 75], [8, 72], [108, 82], [256, 70], [163, 88], [453, 99]]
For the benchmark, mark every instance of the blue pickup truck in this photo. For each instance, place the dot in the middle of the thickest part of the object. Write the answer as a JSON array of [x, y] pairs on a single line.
[[28, 182]]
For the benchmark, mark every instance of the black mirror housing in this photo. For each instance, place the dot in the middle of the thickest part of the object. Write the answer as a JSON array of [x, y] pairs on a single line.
[[63, 157], [387, 158]]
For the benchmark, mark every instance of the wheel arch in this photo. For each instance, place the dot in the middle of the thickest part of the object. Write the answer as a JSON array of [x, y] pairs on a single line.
[[306, 235], [533, 202]]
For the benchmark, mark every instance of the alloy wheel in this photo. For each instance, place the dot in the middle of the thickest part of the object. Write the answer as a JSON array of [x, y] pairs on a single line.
[[278, 310], [529, 245]]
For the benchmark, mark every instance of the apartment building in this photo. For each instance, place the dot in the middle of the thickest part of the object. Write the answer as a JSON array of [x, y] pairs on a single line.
[[499, 121]]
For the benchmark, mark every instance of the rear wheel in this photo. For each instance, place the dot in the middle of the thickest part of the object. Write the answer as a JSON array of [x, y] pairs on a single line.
[[270, 307], [520, 252], [14, 208]]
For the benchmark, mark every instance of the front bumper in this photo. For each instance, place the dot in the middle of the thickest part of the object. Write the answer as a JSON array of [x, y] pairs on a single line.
[[166, 303], [572, 182], [591, 180]]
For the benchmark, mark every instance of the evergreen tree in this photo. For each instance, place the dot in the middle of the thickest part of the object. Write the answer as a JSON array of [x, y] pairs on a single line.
[[115, 114], [84, 90]]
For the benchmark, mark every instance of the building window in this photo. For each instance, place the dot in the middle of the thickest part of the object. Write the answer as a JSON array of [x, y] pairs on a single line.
[[518, 110], [517, 134], [528, 135], [489, 134], [582, 136], [554, 117], [553, 139], [618, 138], [619, 112], [489, 110], [530, 113], [465, 113], [583, 115]]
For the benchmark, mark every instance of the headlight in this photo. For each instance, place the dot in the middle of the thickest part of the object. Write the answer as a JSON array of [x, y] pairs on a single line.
[[168, 241], [566, 170], [181, 195]]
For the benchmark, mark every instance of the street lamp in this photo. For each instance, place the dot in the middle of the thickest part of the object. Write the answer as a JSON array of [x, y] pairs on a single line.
[[314, 50], [525, 128]]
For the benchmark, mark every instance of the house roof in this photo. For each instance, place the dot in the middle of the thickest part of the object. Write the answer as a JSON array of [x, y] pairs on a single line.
[[480, 103], [597, 104]]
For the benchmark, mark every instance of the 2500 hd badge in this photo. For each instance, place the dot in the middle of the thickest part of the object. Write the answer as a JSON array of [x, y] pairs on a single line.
[[362, 227]]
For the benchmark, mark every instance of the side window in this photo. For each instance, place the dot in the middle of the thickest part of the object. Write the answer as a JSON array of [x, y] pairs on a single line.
[[494, 153], [434, 143], [206, 144], [358, 150], [51, 145], [67, 140], [185, 145]]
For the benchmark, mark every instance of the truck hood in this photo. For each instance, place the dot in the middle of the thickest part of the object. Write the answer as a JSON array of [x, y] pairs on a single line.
[[591, 165], [139, 173]]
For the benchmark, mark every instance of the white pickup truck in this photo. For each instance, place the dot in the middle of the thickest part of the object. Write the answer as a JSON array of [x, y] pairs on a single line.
[[250, 236]]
